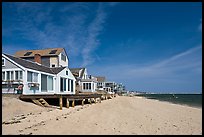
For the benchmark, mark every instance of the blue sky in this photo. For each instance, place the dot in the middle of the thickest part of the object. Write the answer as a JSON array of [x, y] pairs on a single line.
[[150, 46]]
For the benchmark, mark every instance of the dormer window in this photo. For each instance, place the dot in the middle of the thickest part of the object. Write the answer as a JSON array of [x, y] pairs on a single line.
[[53, 51], [28, 53]]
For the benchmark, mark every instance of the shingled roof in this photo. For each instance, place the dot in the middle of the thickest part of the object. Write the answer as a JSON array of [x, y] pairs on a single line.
[[34, 66], [100, 79], [75, 71], [43, 52]]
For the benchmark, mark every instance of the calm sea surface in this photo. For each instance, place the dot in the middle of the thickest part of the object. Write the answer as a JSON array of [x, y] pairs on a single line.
[[194, 100]]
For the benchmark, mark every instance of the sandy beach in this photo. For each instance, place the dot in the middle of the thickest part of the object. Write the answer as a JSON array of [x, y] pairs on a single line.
[[118, 116]]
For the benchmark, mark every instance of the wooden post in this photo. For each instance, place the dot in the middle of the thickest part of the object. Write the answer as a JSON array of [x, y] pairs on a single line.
[[67, 103], [60, 102], [72, 103], [82, 102], [95, 100], [90, 101], [99, 100]]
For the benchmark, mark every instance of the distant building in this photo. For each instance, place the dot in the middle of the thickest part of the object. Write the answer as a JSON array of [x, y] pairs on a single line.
[[112, 86], [84, 82], [100, 82]]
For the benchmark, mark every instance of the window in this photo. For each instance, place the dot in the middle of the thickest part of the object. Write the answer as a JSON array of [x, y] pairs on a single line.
[[68, 81], [63, 57], [50, 82], [67, 73], [3, 75], [12, 75], [18, 75], [53, 51], [7, 75], [46, 83], [29, 76], [62, 84], [87, 86], [21, 75], [28, 53], [72, 85], [43, 82], [32, 77], [3, 61], [35, 77]]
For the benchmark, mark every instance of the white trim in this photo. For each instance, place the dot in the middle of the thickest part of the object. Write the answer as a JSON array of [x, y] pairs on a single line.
[[13, 69], [13, 62], [37, 71]]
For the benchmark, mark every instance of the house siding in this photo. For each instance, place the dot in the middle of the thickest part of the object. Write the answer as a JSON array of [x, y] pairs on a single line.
[[54, 60], [9, 65]]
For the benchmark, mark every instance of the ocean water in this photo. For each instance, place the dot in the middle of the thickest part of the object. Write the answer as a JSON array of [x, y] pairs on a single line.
[[193, 100]]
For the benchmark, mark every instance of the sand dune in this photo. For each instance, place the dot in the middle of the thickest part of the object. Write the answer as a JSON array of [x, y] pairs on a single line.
[[117, 116]]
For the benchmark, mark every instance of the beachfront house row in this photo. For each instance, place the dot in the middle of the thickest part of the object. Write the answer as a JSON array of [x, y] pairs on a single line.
[[31, 77], [84, 82], [50, 57]]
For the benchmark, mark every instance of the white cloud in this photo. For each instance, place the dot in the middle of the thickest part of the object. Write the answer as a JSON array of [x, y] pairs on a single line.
[[94, 29], [181, 71], [75, 26]]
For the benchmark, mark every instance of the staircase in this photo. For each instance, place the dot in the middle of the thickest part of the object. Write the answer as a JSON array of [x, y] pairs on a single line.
[[41, 102]]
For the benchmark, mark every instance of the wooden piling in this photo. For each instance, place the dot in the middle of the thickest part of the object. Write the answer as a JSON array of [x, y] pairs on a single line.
[[82, 102], [60, 102], [90, 101], [72, 103], [67, 103]]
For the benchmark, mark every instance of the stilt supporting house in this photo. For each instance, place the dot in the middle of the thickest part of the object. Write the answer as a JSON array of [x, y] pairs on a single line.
[[73, 103], [60, 102], [82, 102], [67, 103]]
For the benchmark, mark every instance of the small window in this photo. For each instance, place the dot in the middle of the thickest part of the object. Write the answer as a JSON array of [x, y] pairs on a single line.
[[28, 53], [63, 57], [53, 65], [53, 51], [66, 72], [3, 61]]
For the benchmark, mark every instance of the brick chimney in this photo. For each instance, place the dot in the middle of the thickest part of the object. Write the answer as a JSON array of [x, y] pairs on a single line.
[[37, 58]]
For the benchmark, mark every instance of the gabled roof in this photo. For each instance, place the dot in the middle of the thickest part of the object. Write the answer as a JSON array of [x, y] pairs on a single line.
[[43, 52], [75, 71], [34, 66]]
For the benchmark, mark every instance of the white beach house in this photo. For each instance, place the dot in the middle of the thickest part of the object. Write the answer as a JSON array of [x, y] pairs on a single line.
[[33, 77], [84, 82]]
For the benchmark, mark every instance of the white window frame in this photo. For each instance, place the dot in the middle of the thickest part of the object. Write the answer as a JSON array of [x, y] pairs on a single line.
[[3, 60]]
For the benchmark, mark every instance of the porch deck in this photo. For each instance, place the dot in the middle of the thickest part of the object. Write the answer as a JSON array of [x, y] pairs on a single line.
[[92, 97]]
